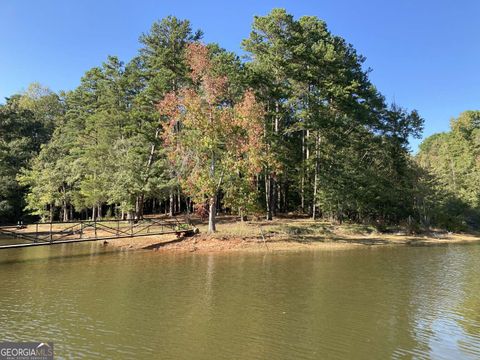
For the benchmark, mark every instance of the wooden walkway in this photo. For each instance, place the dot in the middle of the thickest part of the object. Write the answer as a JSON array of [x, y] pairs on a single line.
[[40, 234]]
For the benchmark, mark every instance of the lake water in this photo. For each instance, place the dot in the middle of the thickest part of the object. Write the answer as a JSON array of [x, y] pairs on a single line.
[[370, 303]]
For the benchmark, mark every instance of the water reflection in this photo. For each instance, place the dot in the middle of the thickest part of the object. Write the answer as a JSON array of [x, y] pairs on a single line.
[[361, 304]]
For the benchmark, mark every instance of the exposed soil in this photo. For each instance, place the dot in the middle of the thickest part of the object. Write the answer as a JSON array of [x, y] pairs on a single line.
[[288, 234]]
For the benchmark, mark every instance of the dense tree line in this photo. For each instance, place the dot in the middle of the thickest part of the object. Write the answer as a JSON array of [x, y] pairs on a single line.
[[27, 121], [452, 162], [185, 126]]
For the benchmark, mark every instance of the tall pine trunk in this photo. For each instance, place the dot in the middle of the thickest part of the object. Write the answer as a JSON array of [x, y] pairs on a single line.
[[269, 177], [315, 179], [269, 195], [171, 203], [179, 201], [314, 204], [139, 206], [302, 182], [307, 158], [64, 211]]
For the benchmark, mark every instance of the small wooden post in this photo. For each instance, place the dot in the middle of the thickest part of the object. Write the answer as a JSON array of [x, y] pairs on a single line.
[[131, 227], [81, 229], [51, 234], [118, 227], [95, 227], [36, 232]]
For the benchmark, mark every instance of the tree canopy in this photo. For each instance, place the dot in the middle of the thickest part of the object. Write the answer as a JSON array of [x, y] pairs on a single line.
[[295, 126]]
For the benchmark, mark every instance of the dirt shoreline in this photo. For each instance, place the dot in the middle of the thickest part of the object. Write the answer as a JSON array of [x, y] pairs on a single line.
[[248, 237], [284, 233]]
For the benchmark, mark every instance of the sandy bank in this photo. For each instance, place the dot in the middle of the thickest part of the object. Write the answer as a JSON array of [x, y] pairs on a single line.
[[287, 234]]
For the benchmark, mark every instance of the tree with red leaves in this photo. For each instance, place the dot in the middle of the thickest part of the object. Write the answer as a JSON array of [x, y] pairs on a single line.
[[214, 143]]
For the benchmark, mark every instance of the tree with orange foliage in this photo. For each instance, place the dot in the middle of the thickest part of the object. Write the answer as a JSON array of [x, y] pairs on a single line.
[[214, 144]]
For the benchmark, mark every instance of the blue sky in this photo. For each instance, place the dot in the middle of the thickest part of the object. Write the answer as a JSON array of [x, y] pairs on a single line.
[[424, 53]]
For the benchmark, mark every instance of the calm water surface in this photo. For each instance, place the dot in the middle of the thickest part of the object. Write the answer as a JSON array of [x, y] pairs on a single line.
[[371, 303]]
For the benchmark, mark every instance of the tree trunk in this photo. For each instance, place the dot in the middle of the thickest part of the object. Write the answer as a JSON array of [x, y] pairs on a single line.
[[279, 198], [171, 202], [314, 204], [273, 197], [179, 201], [139, 206], [64, 211], [100, 214], [307, 157], [269, 196], [94, 212], [315, 181], [211, 216], [302, 183]]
